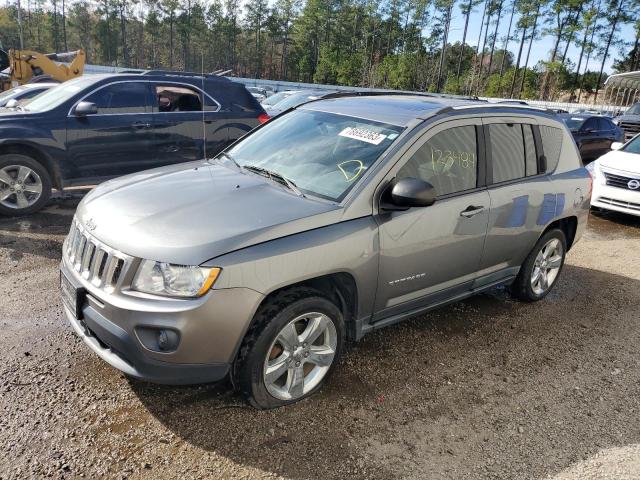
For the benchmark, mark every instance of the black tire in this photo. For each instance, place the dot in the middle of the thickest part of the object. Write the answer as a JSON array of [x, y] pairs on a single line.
[[521, 287], [270, 319], [18, 159]]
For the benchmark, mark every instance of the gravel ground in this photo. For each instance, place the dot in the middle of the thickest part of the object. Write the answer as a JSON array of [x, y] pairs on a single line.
[[487, 388]]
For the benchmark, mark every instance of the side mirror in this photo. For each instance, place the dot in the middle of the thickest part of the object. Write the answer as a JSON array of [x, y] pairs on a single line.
[[406, 193], [13, 103], [617, 145], [84, 109]]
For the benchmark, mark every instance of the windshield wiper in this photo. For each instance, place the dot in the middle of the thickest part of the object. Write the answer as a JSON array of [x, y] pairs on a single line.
[[275, 176]]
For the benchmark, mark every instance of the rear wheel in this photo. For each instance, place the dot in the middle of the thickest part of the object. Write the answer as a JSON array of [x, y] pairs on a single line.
[[541, 269], [25, 185], [292, 348]]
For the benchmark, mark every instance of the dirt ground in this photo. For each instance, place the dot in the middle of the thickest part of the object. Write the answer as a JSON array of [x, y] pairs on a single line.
[[487, 388]]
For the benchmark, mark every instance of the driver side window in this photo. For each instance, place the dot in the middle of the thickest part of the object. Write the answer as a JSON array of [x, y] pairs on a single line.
[[448, 161]]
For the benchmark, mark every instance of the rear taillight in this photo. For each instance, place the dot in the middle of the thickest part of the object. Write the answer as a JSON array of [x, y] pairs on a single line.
[[263, 118]]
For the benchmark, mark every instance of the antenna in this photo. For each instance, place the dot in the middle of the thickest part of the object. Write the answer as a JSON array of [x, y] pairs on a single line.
[[204, 127]]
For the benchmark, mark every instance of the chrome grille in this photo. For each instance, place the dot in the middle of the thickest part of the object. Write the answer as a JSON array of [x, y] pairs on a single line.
[[620, 181], [94, 261], [630, 129], [619, 203]]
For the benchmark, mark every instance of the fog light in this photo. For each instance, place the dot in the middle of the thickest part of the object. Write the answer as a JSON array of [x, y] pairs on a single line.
[[163, 340]]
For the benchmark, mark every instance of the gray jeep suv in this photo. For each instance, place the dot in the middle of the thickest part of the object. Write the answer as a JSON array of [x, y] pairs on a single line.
[[341, 216]]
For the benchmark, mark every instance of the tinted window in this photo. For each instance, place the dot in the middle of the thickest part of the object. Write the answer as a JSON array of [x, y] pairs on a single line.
[[448, 161], [552, 145], [507, 151], [604, 124], [591, 124], [125, 97], [531, 158]]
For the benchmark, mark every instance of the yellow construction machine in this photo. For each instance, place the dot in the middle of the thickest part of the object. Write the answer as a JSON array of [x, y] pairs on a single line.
[[18, 67]]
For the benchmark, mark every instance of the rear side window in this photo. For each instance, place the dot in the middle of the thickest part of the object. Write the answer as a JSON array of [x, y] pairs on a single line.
[[552, 145], [530, 155], [125, 97], [507, 151], [448, 161]]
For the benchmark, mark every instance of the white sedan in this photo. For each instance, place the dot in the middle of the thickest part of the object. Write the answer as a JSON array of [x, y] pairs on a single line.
[[616, 178]]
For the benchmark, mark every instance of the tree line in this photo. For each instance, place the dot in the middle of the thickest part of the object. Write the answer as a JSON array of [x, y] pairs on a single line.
[[403, 44]]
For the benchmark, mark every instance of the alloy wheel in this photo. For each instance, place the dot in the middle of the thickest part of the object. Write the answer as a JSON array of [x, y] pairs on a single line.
[[300, 356], [20, 187], [547, 266]]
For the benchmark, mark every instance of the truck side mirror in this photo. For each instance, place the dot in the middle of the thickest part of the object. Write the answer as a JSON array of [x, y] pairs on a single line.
[[13, 103], [85, 108]]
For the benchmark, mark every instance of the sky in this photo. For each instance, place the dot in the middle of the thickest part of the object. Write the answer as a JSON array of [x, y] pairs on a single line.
[[541, 49]]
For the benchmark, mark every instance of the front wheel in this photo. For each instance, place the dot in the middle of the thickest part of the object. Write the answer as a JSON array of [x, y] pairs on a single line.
[[25, 185], [541, 268], [293, 346]]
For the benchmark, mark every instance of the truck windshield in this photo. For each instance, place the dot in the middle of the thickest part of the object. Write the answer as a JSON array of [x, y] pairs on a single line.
[[56, 96], [323, 154], [634, 110]]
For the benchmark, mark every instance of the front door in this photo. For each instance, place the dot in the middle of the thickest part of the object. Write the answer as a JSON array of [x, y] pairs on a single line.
[[119, 138], [184, 116], [433, 253]]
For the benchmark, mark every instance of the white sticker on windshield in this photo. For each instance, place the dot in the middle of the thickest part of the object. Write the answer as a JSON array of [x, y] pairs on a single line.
[[363, 135]]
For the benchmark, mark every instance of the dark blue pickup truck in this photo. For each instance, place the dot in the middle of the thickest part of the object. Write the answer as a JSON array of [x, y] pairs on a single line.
[[97, 127]]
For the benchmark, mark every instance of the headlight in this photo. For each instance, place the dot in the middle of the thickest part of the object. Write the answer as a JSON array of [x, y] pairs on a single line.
[[591, 168], [170, 280]]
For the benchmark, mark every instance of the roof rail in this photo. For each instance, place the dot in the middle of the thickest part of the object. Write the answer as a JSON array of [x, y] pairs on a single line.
[[507, 106], [372, 93], [217, 74]]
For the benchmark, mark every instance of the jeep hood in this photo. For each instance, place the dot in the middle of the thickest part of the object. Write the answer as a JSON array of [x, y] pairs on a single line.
[[621, 160], [190, 213]]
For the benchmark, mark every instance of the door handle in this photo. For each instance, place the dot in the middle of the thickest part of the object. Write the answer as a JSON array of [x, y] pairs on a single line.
[[471, 210], [140, 125]]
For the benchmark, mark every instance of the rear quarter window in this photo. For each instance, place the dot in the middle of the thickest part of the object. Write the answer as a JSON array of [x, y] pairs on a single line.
[[552, 145]]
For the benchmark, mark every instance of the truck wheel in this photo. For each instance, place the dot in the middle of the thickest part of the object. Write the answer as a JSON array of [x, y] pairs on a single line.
[[541, 268], [294, 344], [25, 185]]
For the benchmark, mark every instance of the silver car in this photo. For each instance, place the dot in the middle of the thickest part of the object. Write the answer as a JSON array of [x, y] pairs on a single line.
[[337, 218]]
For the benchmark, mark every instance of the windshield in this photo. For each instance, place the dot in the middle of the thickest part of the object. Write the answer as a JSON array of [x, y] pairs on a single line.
[[275, 98], [323, 154], [56, 96], [295, 100], [633, 146], [634, 110], [573, 123]]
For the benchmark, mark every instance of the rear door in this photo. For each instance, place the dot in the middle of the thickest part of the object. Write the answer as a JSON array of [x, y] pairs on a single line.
[[520, 207], [431, 253], [184, 116], [118, 139]]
